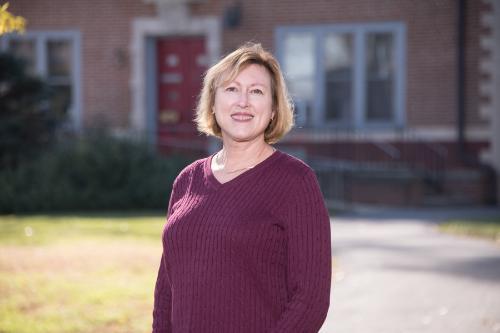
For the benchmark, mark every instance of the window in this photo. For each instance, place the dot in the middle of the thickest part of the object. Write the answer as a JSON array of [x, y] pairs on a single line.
[[55, 57], [346, 75], [301, 65], [338, 73], [379, 77]]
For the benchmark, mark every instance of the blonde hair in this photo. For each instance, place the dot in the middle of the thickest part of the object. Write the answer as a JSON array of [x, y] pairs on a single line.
[[225, 71]]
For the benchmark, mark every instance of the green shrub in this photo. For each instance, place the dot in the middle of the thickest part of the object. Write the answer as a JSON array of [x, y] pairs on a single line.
[[99, 173], [27, 124]]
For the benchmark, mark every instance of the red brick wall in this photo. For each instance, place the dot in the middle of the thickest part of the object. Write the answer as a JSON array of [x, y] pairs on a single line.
[[431, 43], [105, 28]]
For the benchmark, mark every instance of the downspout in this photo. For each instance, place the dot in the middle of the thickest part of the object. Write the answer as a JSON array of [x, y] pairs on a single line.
[[461, 81]]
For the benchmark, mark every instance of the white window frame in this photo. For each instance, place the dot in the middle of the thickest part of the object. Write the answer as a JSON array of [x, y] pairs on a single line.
[[359, 31], [41, 39]]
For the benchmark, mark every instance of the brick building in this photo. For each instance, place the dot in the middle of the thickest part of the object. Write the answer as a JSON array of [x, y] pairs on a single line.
[[395, 100]]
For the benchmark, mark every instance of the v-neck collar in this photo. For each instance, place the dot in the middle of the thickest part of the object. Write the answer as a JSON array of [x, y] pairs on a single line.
[[215, 183]]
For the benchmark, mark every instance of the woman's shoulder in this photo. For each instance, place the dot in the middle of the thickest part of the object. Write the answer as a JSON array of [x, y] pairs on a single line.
[[294, 166], [297, 182], [191, 170]]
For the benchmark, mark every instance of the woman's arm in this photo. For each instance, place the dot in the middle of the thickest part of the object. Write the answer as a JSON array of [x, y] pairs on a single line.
[[162, 301], [163, 294], [309, 258]]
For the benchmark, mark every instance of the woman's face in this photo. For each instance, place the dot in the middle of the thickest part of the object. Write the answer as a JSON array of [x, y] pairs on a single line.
[[243, 107]]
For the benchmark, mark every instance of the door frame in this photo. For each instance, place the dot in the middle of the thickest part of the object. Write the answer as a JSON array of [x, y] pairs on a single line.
[[145, 31], [153, 92]]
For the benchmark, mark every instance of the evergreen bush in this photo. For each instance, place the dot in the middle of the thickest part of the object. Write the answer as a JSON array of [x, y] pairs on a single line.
[[27, 124], [91, 173]]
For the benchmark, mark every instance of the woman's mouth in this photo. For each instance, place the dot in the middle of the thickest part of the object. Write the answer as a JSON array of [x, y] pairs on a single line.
[[242, 116]]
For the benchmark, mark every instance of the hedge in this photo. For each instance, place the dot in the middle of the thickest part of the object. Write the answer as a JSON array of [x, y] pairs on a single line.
[[93, 173]]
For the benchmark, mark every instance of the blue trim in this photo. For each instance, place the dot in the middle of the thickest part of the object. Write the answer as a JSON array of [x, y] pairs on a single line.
[[151, 90], [401, 76], [77, 81], [359, 32], [319, 73], [359, 84]]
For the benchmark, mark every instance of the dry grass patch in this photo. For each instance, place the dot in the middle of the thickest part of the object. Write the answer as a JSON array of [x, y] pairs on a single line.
[[81, 282], [486, 229]]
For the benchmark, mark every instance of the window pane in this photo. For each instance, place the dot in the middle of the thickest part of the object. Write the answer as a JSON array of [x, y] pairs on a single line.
[[60, 99], [379, 77], [25, 49], [338, 77], [59, 58], [300, 66]]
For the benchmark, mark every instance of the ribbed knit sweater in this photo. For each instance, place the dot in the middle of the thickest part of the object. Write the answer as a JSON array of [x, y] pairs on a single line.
[[251, 255]]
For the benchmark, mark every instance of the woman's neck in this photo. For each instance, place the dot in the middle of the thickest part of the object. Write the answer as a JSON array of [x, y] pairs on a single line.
[[240, 156]]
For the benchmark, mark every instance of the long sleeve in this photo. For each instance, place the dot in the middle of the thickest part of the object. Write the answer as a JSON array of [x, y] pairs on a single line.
[[309, 258], [163, 293], [162, 301]]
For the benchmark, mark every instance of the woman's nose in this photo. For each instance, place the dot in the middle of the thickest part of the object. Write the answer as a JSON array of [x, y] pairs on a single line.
[[243, 100]]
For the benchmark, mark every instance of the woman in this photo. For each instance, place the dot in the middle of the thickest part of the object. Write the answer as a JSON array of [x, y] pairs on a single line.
[[247, 243]]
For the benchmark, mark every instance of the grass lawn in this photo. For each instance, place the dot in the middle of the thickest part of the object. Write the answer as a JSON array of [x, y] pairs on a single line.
[[488, 229], [78, 273]]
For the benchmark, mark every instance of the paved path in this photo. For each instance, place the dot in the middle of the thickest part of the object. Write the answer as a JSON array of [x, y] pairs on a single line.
[[397, 274]]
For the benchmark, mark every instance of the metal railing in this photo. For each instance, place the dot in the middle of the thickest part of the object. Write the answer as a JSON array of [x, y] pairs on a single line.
[[403, 158]]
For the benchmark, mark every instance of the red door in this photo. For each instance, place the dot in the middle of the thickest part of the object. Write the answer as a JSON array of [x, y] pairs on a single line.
[[181, 64]]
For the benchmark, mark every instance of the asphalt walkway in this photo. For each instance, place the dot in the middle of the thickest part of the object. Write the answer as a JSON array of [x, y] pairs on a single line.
[[395, 273]]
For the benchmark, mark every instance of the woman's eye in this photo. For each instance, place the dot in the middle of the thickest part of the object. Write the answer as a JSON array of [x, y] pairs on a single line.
[[257, 91], [231, 89]]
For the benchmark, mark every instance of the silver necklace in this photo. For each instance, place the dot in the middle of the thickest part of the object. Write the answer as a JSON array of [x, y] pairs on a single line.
[[219, 157]]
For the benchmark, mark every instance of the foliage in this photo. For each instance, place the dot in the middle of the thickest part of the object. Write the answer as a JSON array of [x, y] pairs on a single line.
[[96, 172], [487, 229], [26, 124]]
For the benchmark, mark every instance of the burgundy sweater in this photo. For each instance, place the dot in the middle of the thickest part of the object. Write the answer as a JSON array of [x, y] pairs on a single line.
[[251, 255]]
